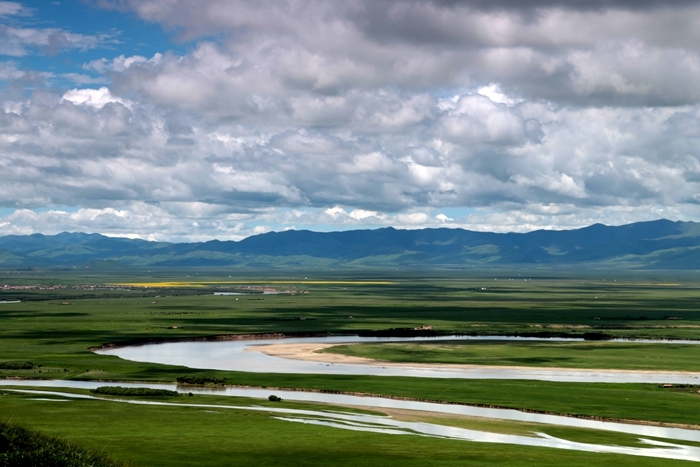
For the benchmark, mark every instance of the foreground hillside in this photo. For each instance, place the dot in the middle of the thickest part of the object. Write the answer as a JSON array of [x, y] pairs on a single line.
[[656, 244]]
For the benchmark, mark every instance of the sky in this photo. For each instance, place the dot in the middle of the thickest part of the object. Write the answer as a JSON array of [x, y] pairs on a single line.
[[176, 120]]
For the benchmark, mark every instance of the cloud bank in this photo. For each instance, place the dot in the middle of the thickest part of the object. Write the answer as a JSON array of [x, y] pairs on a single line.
[[270, 115]]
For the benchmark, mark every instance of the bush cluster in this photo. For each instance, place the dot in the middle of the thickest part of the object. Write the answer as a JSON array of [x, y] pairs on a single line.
[[120, 391], [16, 366], [200, 380]]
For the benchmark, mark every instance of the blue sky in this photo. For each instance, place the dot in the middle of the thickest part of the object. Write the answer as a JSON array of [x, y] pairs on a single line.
[[114, 34], [179, 120]]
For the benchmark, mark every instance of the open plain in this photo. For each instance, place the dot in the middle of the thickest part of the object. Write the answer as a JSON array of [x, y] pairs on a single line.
[[54, 328]]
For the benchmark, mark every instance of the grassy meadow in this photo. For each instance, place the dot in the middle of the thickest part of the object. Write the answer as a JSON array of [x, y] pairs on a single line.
[[55, 328], [215, 436], [589, 355]]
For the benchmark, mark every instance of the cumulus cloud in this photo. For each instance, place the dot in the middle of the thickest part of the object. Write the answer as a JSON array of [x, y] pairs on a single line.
[[367, 113], [578, 51], [96, 98], [190, 222], [92, 147]]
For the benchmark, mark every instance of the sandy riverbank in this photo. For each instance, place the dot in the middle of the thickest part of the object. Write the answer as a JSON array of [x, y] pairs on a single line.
[[311, 352]]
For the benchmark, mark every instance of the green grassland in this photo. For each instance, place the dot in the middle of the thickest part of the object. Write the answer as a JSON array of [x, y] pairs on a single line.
[[210, 436], [590, 355], [54, 330]]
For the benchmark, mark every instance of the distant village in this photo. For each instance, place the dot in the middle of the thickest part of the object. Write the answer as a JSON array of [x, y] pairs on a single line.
[[243, 289], [267, 290], [62, 286]]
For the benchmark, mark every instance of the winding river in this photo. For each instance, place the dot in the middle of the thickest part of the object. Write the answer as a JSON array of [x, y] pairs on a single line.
[[236, 356], [667, 448], [242, 356]]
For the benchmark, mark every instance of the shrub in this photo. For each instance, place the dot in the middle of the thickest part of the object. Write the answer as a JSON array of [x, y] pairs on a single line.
[[17, 366], [200, 380], [120, 391], [274, 398]]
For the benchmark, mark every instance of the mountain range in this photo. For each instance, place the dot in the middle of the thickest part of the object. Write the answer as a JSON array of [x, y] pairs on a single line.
[[659, 244]]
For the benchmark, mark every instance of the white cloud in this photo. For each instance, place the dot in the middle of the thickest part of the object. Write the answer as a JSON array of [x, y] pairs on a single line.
[[553, 51], [116, 154], [476, 118], [151, 222], [361, 214], [275, 114], [121, 63], [495, 94], [96, 98]]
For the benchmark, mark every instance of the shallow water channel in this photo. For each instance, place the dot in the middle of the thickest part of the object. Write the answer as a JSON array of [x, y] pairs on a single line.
[[387, 425], [232, 356]]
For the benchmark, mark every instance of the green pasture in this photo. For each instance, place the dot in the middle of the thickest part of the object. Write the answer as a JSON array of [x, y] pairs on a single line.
[[660, 307], [57, 333], [206, 436], [589, 355], [54, 329]]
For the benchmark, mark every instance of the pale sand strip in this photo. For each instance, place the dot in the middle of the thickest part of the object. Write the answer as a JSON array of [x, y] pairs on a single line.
[[309, 352]]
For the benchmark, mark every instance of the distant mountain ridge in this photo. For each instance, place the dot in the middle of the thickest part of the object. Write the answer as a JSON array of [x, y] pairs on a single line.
[[654, 244]]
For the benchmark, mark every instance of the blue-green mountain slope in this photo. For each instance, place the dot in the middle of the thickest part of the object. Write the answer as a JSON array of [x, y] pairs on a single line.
[[656, 244]]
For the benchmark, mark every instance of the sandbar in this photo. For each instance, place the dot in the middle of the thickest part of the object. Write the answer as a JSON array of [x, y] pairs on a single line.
[[309, 351]]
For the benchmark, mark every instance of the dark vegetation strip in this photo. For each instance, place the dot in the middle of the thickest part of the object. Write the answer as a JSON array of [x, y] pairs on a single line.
[[23, 447], [141, 392], [409, 332], [16, 366], [200, 380]]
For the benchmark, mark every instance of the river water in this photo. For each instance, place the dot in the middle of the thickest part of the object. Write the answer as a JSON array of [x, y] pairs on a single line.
[[232, 356], [387, 425]]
